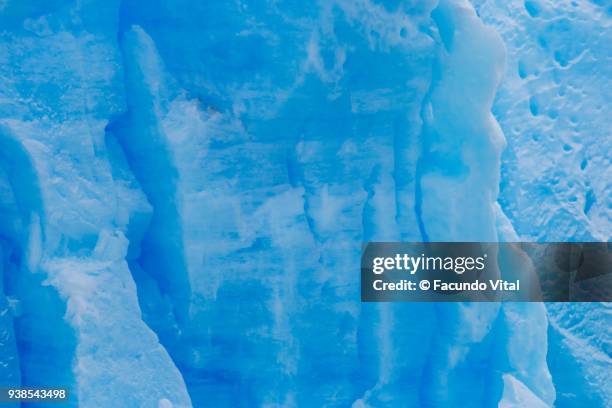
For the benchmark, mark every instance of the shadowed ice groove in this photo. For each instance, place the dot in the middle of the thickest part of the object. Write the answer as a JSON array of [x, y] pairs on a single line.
[[38, 346], [75, 305]]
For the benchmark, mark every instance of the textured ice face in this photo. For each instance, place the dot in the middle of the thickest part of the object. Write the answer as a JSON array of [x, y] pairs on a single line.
[[552, 109], [185, 187]]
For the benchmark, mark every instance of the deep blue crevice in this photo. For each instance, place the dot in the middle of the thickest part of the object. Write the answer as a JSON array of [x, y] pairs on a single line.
[[45, 342]]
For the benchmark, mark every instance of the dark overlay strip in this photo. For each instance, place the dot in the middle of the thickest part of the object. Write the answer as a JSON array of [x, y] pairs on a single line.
[[486, 272]]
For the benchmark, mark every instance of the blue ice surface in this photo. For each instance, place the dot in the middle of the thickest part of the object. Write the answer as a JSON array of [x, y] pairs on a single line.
[[185, 187]]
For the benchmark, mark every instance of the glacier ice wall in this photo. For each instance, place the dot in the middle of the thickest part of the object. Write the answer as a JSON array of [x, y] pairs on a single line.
[[185, 187]]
